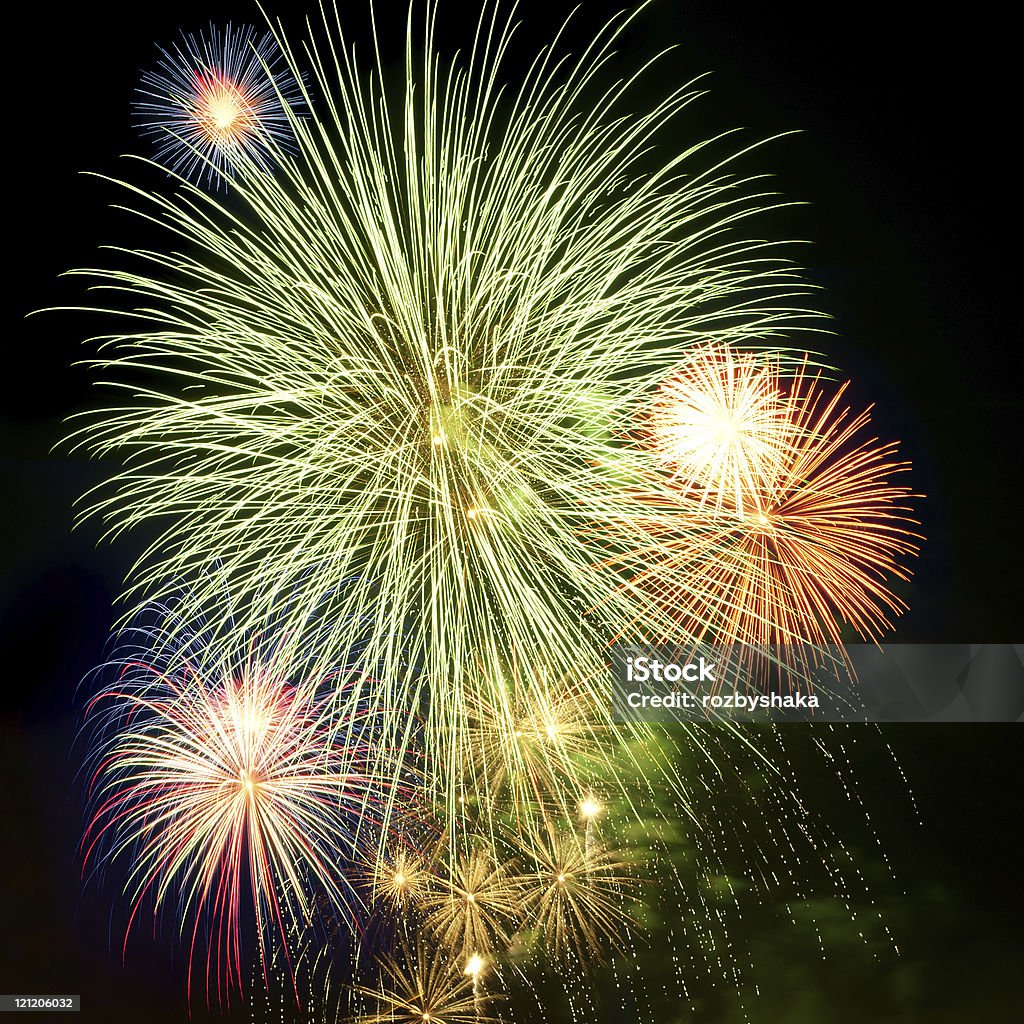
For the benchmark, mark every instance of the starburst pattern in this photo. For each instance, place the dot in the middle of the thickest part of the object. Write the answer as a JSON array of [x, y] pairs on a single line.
[[423, 983], [813, 547], [473, 902], [540, 746], [720, 424], [400, 881], [577, 894], [217, 100]]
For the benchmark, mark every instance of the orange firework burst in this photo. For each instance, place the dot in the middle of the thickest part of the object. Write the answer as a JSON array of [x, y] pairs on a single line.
[[807, 529]]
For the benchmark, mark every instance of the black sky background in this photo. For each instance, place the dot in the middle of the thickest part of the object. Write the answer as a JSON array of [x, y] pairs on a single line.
[[904, 159]]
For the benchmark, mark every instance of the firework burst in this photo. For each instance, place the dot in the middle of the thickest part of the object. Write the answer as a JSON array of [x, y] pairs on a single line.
[[473, 903], [402, 356], [214, 101], [810, 544], [540, 748], [228, 786], [401, 881], [577, 894], [721, 426], [420, 982]]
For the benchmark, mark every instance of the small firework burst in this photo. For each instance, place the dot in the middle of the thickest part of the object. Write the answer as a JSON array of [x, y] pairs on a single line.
[[400, 881], [216, 100], [720, 424], [232, 791], [421, 983], [473, 902], [577, 893]]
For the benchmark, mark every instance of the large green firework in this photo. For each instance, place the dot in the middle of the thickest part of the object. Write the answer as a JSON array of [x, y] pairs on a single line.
[[388, 384]]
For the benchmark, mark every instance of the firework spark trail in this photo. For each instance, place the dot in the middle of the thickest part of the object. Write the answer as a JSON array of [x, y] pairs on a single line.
[[396, 358], [231, 790], [216, 101], [741, 838]]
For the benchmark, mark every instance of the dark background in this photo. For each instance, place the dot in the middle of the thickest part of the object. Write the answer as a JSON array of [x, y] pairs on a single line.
[[912, 196]]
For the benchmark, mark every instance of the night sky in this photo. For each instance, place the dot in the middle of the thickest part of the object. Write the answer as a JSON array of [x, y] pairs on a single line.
[[906, 121]]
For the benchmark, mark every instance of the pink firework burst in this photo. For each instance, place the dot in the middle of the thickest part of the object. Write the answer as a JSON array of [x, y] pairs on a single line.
[[235, 796]]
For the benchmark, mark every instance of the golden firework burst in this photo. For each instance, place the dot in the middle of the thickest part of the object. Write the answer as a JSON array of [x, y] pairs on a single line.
[[473, 904], [577, 894], [399, 881], [535, 743], [424, 984]]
